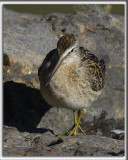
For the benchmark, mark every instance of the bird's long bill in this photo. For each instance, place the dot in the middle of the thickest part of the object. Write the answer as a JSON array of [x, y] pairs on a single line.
[[53, 72]]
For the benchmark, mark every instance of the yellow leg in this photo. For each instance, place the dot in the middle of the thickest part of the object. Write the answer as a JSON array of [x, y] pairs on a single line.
[[76, 125], [75, 117], [75, 122], [80, 113], [74, 131]]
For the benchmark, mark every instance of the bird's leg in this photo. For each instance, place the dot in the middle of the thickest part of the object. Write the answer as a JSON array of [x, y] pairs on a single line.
[[74, 131], [77, 124], [73, 127], [80, 113], [75, 118]]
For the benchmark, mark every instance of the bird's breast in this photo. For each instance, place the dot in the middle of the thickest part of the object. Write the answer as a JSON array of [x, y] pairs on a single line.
[[70, 87]]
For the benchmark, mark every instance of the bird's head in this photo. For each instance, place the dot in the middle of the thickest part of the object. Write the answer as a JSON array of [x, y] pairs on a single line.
[[65, 46]]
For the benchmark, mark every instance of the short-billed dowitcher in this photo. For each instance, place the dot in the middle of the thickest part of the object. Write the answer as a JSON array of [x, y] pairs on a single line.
[[71, 77]]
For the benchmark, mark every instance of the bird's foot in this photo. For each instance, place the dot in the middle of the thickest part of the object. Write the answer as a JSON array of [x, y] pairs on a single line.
[[66, 132], [73, 131]]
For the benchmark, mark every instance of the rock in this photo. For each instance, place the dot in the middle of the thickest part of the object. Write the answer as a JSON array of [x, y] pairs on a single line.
[[6, 65], [27, 39], [47, 144]]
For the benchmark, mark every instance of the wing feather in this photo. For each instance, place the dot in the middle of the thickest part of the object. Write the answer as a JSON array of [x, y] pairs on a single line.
[[96, 69]]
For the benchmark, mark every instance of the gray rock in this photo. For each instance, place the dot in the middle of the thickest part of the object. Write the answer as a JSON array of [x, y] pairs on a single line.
[[37, 144], [6, 65], [27, 39]]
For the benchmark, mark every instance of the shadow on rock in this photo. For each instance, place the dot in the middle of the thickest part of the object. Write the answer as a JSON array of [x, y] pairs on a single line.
[[23, 107]]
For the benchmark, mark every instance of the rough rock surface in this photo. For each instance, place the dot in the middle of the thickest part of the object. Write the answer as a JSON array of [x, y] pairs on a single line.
[[47, 144], [30, 124]]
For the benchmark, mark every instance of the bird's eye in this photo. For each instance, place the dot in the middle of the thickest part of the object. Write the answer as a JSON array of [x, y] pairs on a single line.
[[72, 50]]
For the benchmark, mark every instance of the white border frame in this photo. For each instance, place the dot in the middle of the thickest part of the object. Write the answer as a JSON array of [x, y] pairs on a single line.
[[1, 85]]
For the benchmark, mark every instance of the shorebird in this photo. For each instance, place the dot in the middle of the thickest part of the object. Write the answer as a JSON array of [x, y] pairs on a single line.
[[71, 77]]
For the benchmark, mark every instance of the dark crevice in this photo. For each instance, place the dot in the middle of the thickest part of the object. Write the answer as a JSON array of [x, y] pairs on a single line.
[[54, 143]]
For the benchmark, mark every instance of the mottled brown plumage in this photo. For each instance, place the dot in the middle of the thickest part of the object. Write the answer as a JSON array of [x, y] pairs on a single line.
[[71, 77], [96, 68], [65, 42]]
